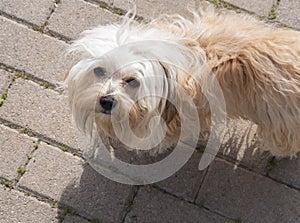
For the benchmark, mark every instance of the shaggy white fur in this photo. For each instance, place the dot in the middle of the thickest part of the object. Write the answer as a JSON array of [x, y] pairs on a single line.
[[257, 67]]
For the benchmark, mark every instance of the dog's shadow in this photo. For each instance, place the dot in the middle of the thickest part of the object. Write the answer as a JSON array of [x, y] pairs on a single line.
[[240, 146], [95, 197]]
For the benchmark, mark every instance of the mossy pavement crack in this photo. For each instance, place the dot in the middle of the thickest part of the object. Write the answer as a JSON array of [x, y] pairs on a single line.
[[62, 208], [23, 168], [65, 210], [115, 10], [4, 94], [41, 137], [34, 27], [27, 76], [51, 32], [129, 203]]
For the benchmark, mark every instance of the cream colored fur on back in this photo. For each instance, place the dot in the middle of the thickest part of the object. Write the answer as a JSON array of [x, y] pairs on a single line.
[[257, 66]]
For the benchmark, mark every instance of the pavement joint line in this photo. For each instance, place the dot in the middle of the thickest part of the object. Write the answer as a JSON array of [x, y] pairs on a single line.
[[29, 157], [4, 94], [58, 36], [284, 183], [30, 26], [192, 203], [53, 33], [64, 210], [115, 10], [245, 167], [46, 22], [27, 76], [240, 164], [13, 185], [201, 183], [129, 203], [61, 208], [26, 191], [220, 5], [17, 19], [41, 137]]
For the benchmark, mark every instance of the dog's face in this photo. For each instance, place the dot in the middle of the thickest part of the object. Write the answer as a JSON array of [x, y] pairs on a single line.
[[128, 97], [132, 91], [120, 101]]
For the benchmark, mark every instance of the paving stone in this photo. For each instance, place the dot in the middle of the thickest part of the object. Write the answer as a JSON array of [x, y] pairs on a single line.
[[14, 149], [5, 79], [288, 13], [74, 16], [244, 195], [239, 144], [287, 170], [62, 177], [108, 2], [42, 110], [54, 169], [151, 205], [16, 207], [28, 50], [153, 8], [259, 7], [96, 197], [73, 219], [33, 11], [186, 182]]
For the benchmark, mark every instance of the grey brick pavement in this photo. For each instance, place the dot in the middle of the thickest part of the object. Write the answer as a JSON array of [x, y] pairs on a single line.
[[33, 11], [186, 182], [287, 171], [5, 80], [242, 185], [74, 219], [42, 110], [145, 7], [152, 205], [259, 7], [17, 207], [244, 195], [32, 52], [288, 13], [15, 149], [64, 21], [53, 177]]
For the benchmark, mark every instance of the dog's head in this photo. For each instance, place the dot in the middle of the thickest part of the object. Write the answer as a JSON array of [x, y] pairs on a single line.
[[131, 84]]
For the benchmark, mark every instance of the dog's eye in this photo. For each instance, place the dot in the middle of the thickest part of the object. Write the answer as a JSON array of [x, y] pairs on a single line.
[[99, 71], [132, 82]]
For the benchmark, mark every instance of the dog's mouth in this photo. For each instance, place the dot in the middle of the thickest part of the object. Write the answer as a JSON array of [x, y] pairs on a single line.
[[105, 112]]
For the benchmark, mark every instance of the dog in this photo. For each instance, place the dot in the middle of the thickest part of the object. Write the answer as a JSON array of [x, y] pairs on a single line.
[[257, 67]]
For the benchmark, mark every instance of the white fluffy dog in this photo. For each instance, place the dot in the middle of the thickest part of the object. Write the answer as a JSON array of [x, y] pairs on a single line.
[[129, 72]]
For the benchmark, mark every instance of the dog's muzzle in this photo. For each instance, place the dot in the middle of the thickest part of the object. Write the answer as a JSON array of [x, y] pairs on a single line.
[[107, 103]]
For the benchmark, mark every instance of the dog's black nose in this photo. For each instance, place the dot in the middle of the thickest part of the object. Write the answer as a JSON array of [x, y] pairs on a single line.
[[107, 103]]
